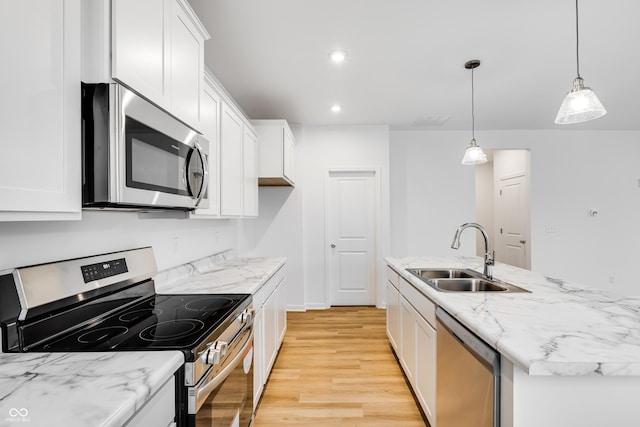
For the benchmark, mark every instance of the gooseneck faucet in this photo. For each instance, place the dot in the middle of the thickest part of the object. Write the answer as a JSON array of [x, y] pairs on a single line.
[[488, 257]]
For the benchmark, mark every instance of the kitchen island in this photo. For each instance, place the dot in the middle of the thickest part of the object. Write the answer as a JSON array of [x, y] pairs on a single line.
[[570, 354]]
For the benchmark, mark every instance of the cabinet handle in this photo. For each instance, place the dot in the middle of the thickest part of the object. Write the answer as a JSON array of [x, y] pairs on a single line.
[[333, 246], [523, 241]]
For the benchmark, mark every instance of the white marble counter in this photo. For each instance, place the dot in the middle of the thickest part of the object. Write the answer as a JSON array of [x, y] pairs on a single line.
[[80, 389], [218, 275], [559, 328]]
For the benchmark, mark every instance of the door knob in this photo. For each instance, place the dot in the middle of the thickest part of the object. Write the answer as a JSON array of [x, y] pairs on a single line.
[[333, 246]]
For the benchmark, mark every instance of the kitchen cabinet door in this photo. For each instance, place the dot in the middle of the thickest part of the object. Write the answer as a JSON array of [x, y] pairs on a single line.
[[407, 340], [140, 47], [40, 165], [210, 124], [187, 64], [270, 309], [393, 316], [289, 147], [282, 310], [231, 174], [258, 356], [425, 371], [250, 173]]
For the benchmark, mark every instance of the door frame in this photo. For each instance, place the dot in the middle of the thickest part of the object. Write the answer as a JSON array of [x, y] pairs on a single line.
[[377, 230]]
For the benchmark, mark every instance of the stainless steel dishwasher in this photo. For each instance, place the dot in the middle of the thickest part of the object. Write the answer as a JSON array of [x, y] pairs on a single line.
[[468, 377]]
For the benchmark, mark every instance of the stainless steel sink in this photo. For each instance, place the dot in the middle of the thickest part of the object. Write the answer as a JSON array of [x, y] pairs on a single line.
[[461, 280], [436, 273], [467, 285]]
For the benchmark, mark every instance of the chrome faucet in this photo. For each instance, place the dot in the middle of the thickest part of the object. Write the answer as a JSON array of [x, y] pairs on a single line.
[[488, 257]]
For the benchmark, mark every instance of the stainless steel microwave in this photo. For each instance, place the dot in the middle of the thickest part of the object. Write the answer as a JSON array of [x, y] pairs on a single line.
[[137, 156]]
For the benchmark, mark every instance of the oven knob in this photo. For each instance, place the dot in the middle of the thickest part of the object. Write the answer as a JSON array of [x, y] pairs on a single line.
[[213, 357], [247, 315], [221, 346]]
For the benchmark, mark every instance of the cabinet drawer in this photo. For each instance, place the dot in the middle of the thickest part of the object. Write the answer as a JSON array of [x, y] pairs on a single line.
[[267, 289], [392, 276], [421, 303]]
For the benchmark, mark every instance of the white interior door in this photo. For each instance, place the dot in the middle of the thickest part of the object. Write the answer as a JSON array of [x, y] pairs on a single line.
[[513, 222], [351, 237]]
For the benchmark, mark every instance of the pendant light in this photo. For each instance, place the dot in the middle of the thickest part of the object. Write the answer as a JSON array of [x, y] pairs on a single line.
[[474, 154], [580, 104]]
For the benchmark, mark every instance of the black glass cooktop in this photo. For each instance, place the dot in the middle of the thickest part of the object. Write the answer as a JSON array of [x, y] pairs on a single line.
[[160, 322]]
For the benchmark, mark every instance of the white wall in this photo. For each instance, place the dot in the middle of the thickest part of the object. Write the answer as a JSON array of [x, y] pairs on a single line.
[[571, 172], [278, 230], [174, 241], [322, 148]]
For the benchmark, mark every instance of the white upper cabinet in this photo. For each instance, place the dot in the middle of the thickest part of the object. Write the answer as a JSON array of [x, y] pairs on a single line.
[[187, 63], [40, 165], [156, 48], [250, 172], [231, 176], [277, 151], [140, 47], [211, 105]]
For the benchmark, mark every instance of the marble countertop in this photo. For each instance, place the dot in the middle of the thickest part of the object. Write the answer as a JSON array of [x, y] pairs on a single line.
[[80, 389], [560, 328], [218, 275]]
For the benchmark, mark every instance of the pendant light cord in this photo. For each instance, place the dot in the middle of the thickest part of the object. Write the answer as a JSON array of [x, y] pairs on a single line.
[[473, 117], [577, 43]]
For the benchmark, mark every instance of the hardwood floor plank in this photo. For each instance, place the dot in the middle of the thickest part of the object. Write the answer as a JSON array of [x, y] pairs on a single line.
[[336, 368]]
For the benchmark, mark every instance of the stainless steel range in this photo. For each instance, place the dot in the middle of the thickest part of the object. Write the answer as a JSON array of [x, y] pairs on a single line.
[[108, 303]]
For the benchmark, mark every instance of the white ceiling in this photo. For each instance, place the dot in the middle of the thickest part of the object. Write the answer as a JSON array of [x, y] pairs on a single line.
[[406, 60]]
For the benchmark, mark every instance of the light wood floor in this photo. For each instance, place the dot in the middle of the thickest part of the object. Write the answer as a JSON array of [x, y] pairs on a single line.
[[336, 368]]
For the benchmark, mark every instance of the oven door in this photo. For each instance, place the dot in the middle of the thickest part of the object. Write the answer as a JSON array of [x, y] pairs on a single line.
[[224, 397]]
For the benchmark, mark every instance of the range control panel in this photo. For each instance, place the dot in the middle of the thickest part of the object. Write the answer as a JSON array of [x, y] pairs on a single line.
[[103, 270]]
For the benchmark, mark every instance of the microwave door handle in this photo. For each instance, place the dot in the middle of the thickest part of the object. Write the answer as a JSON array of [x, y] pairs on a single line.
[[205, 175]]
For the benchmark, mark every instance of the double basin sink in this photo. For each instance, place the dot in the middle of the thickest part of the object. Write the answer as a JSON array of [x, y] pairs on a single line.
[[461, 280]]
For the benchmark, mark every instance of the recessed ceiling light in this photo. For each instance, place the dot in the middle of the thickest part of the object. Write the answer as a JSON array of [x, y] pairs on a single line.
[[336, 108], [338, 56]]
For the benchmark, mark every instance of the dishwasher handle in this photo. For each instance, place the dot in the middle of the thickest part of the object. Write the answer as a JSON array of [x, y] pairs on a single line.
[[476, 346]]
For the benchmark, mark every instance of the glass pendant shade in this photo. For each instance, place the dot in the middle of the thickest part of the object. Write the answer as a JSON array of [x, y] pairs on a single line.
[[474, 155], [580, 105]]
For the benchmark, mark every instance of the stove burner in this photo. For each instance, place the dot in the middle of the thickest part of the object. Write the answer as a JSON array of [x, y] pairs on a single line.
[[209, 304], [171, 329], [136, 315], [101, 334]]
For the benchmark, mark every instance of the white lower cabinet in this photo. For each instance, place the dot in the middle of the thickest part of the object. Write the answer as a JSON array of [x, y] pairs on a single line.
[[411, 331], [159, 410], [270, 324], [258, 355], [393, 312], [425, 372]]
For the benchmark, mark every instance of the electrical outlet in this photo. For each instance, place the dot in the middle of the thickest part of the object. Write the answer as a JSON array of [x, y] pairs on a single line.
[[549, 228], [612, 279]]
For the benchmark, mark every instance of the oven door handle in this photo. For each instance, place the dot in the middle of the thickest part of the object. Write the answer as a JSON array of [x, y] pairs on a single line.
[[202, 392]]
